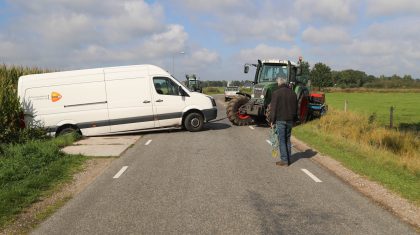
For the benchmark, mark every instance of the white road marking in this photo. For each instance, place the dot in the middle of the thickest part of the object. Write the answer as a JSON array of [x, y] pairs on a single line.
[[311, 175], [148, 142], [116, 176], [269, 142], [252, 128]]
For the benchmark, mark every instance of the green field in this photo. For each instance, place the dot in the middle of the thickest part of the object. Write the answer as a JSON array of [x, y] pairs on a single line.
[[407, 105], [388, 156]]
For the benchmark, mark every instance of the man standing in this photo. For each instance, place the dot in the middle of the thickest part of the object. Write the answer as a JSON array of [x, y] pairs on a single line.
[[283, 113]]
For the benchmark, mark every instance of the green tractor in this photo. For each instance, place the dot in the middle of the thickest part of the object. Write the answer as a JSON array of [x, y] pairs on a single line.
[[247, 109], [193, 83]]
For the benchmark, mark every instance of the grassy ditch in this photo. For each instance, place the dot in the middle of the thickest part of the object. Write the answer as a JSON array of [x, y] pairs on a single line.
[[387, 156], [29, 170]]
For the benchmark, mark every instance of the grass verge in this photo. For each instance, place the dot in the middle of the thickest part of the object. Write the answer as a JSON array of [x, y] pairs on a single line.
[[213, 90], [398, 171], [30, 170]]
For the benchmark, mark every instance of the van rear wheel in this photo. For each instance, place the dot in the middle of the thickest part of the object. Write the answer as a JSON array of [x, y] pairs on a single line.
[[194, 122], [67, 130]]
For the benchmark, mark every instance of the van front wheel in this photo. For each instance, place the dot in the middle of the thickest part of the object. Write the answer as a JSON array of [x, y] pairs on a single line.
[[194, 122]]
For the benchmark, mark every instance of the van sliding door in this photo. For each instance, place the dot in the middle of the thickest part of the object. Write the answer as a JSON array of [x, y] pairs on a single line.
[[129, 101]]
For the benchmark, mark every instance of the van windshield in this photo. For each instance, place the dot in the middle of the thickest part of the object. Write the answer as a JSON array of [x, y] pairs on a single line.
[[181, 84]]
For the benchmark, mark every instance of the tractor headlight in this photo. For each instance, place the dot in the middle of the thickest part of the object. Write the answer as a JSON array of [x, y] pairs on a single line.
[[263, 93]]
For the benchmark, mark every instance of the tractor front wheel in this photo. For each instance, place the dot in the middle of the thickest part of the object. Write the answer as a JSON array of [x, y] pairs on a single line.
[[233, 114]]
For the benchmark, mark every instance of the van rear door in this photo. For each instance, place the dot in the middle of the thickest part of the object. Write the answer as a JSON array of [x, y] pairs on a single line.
[[129, 100]]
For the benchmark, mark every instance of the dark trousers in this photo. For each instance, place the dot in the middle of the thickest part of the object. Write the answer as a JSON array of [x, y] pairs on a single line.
[[284, 131]]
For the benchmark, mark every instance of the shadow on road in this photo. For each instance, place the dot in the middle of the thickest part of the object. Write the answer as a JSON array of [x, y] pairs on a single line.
[[216, 126], [301, 155], [284, 216]]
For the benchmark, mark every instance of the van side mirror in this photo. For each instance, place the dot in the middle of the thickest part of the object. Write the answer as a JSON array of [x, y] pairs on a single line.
[[182, 92], [246, 68]]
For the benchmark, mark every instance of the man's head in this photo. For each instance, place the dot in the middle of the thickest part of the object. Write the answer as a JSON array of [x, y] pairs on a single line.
[[281, 80]]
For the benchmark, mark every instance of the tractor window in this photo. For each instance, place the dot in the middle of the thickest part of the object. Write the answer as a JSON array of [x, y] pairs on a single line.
[[192, 82], [269, 73]]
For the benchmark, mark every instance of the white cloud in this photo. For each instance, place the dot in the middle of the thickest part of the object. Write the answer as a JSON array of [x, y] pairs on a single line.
[[241, 27], [386, 8], [335, 12], [204, 56], [389, 47], [263, 51], [239, 21], [81, 34], [325, 35], [171, 41], [214, 5]]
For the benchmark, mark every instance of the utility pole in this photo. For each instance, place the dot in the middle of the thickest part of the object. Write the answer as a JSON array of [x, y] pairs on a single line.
[[173, 62]]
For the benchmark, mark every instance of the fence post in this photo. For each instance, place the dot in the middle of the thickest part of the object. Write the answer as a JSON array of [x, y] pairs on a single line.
[[391, 117], [345, 105]]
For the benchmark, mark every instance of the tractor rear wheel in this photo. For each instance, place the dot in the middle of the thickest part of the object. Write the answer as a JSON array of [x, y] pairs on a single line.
[[303, 109], [232, 111]]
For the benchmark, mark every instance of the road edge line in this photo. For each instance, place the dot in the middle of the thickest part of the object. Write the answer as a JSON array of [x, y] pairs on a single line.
[[312, 176], [400, 207]]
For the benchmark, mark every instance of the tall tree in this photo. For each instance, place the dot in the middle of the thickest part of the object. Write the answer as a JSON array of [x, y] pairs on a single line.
[[321, 75], [305, 67]]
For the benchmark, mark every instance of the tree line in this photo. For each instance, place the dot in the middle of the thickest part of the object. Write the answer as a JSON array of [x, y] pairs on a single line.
[[322, 76]]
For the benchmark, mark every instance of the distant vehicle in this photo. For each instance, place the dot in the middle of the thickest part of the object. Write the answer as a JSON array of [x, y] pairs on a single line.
[[112, 100], [230, 92], [193, 83]]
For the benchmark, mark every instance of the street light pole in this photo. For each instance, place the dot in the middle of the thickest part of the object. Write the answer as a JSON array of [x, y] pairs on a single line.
[[173, 62]]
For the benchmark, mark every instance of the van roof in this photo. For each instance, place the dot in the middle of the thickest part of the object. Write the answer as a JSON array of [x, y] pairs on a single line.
[[71, 73]]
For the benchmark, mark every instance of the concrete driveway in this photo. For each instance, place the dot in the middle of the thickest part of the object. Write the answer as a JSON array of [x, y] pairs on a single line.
[[104, 146]]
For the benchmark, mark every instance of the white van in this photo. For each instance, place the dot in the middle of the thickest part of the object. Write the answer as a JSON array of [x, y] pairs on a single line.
[[112, 100]]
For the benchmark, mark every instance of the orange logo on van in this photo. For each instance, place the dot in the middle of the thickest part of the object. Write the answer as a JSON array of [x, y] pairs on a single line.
[[55, 96]]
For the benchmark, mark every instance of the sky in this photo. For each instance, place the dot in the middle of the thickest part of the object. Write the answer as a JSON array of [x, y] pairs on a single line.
[[212, 39]]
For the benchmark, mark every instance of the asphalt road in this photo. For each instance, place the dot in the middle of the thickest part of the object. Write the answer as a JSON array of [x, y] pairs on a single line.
[[219, 181]]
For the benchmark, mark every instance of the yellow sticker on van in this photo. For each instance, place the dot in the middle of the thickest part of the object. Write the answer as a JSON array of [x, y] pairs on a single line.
[[55, 96]]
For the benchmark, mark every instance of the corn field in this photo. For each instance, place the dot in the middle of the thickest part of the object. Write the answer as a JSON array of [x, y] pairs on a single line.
[[10, 108]]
